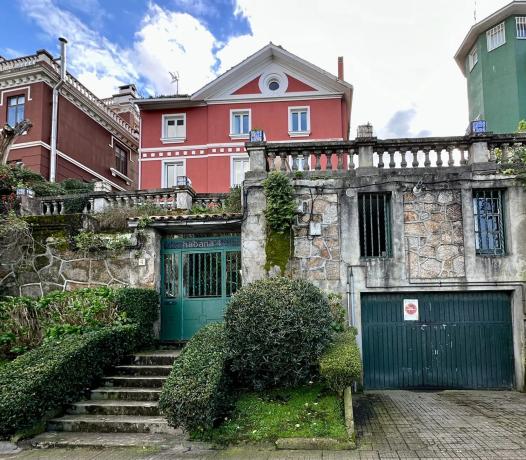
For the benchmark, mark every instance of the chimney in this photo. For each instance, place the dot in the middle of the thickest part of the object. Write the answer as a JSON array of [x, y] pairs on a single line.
[[340, 68]]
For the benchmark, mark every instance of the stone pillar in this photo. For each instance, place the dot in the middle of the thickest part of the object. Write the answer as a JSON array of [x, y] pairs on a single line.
[[30, 206], [258, 160], [253, 233], [184, 199], [366, 141], [478, 152]]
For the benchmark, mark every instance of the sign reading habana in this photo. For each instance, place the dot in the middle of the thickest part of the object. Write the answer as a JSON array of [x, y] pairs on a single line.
[[212, 243]]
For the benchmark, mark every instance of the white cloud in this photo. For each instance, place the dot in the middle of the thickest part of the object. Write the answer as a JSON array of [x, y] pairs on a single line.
[[169, 42]]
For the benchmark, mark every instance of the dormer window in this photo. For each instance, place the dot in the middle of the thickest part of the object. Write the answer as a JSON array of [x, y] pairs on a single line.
[[174, 128]]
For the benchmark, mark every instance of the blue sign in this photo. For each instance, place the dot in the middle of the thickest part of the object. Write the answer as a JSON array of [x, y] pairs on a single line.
[[478, 126], [257, 135]]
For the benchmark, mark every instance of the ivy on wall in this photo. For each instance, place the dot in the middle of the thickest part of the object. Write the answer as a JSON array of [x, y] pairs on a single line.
[[279, 212]]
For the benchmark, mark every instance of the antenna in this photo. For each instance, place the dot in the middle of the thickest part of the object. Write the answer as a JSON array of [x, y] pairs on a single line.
[[475, 10], [175, 79]]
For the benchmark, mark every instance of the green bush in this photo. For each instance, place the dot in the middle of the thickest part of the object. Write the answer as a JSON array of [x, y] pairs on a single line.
[[341, 364], [277, 329], [55, 374], [339, 324], [197, 392], [26, 322], [141, 307], [281, 205], [233, 200]]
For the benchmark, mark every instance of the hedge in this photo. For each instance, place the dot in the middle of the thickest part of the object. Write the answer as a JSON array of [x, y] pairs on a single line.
[[341, 364], [197, 392], [277, 329], [57, 373]]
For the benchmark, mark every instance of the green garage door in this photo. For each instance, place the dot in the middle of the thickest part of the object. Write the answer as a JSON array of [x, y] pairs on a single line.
[[460, 340]]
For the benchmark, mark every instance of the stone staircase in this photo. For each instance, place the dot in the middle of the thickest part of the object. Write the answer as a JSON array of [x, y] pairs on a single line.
[[123, 412]]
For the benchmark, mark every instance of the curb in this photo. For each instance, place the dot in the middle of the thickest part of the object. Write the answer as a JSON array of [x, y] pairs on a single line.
[[349, 415], [313, 444]]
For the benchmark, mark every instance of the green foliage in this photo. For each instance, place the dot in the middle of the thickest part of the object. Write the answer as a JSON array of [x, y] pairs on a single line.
[[278, 249], [75, 205], [339, 324], [197, 392], [341, 364], [277, 329], [233, 200], [57, 373], [90, 242], [141, 307], [117, 218], [304, 412], [27, 322], [281, 207], [513, 160]]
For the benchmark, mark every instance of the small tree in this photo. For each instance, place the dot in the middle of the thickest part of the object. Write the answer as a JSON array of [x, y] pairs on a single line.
[[8, 134]]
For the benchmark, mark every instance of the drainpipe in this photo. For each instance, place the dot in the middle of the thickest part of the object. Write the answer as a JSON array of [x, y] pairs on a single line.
[[54, 112], [351, 308]]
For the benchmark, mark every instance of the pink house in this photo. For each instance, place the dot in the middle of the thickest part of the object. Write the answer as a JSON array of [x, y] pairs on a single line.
[[202, 136]]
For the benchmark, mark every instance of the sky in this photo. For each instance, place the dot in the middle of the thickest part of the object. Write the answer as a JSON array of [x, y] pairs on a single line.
[[398, 55]]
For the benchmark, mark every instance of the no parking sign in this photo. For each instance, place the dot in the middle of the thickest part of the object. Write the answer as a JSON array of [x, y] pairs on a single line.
[[410, 309]]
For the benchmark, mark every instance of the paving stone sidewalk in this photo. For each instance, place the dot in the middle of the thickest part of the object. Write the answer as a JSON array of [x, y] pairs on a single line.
[[390, 425]]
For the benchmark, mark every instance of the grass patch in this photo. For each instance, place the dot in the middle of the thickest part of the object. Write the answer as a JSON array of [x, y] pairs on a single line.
[[305, 412]]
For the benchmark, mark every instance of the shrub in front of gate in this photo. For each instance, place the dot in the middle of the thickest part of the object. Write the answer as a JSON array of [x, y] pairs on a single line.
[[277, 329], [341, 364], [43, 380], [198, 390]]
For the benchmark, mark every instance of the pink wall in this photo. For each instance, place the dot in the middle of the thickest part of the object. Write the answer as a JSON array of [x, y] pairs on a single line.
[[211, 125]]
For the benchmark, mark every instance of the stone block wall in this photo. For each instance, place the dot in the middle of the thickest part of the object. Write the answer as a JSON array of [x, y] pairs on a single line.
[[434, 234], [57, 268]]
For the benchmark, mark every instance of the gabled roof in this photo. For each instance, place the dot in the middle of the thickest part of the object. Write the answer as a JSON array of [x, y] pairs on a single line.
[[513, 8], [247, 67]]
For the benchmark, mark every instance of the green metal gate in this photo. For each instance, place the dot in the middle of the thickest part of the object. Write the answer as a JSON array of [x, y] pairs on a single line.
[[460, 340], [198, 276]]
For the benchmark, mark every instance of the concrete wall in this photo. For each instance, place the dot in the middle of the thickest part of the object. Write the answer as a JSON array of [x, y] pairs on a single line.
[[433, 239]]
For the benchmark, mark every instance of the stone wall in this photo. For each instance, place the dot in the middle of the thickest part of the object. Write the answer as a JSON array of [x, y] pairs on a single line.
[[434, 234], [58, 268]]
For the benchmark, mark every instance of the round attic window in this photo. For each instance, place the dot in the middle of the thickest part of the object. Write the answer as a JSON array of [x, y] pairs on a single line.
[[273, 85]]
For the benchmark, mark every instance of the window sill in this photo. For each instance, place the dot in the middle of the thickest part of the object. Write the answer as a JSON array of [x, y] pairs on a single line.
[[173, 140], [116, 173], [239, 136], [299, 133]]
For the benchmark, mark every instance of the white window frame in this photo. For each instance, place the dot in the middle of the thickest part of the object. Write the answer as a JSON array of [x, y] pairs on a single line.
[[473, 57], [233, 159], [520, 26], [237, 112], [173, 140], [299, 133], [493, 33], [163, 170]]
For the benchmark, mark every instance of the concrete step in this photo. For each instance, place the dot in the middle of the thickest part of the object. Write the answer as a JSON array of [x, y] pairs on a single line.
[[154, 358], [111, 407], [138, 370], [66, 439], [110, 424], [125, 393], [134, 381]]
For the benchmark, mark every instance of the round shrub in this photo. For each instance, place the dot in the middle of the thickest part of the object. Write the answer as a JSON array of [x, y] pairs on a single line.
[[277, 329]]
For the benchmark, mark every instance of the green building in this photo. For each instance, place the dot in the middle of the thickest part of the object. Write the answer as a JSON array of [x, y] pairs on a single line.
[[492, 57]]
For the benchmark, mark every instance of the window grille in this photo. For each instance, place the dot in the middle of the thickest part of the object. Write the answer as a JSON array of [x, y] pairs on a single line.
[[202, 274], [489, 227], [520, 23], [15, 109], [473, 58], [496, 36], [375, 224]]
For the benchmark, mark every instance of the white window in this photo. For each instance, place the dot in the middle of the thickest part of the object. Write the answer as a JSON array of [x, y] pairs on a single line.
[[496, 36], [473, 58], [239, 167], [239, 123], [174, 174], [174, 128], [520, 22], [299, 121]]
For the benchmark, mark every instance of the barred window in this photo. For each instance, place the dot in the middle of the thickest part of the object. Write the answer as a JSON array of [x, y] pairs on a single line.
[[496, 36], [374, 210], [520, 23], [489, 226]]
